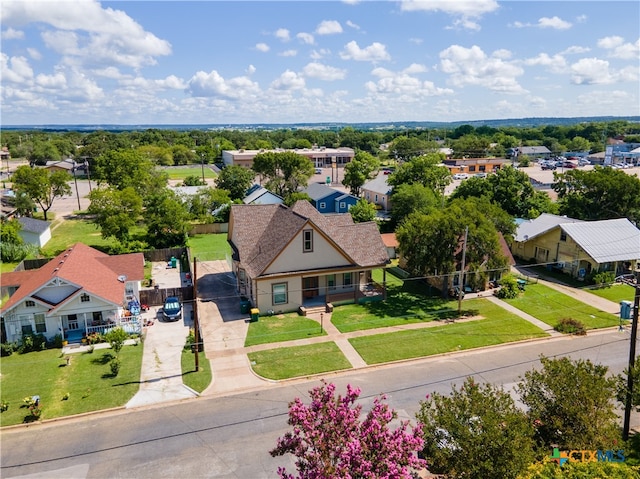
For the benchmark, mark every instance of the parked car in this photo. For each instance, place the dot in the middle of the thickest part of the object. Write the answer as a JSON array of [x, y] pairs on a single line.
[[583, 162], [172, 309], [480, 175], [551, 165], [318, 171], [460, 176]]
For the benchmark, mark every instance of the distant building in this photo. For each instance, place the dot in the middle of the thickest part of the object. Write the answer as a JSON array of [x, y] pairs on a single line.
[[329, 200], [378, 192], [259, 195], [475, 165], [320, 156], [34, 231]]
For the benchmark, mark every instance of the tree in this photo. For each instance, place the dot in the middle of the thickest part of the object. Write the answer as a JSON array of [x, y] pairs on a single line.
[[124, 168], [476, 432], [358, 171], [236, 180], [166, 217], [599, 194], [405, 148], [203, 204], [116, 337], [426, 170], [622, 385], [193, 180], [291, 198], [410, 198], [330, 440], [286, 172], [116, 211], [570, 404], [41, 186], [363, 211]]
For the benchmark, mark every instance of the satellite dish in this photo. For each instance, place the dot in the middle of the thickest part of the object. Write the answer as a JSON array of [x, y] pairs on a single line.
[[122, 278]]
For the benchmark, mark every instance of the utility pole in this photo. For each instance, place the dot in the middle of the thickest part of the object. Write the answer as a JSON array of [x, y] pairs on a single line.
[[75, 180], [461, 279], [196, 325], [632, 358]]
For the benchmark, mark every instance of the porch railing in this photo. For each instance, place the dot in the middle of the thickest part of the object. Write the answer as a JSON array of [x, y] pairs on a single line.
[[131, 325]]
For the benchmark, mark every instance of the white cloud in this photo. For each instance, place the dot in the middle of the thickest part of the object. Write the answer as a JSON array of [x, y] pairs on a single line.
[[318, 54], [15, 70], [323, 72], [329, 27], [416, 41], [283, 34], [467, 10], [581, 18], [251, 70], [471, 66], [12, 34], [97, 34], [592, 71], [34, 53], [212, 84], [262, 47], [573, 50], [374, 52], [415, 68], [554, 22], [353, 25], [306, 38], [403, 83], [619, 49], [288, 81], [502, 53], [289, 53], [555, 63]]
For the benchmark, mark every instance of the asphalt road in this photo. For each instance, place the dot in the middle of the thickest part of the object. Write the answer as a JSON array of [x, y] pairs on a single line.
[[229, 437]]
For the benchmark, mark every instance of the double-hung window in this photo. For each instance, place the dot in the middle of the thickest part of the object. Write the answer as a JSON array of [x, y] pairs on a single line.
[[307, 241], [279, 293], [347, 280]]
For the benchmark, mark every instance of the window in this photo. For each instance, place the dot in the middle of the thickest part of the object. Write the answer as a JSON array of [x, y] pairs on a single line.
[[343, 205], [376, 198], [323, 205], [472, 168], [563, 236], [346, 280], [241, 275], [85, 298], [30, 304], [307, 241], [279, 293], [331, 281], [41, 325]]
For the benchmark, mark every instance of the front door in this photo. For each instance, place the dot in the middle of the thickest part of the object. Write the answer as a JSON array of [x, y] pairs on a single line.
[[310, 287]]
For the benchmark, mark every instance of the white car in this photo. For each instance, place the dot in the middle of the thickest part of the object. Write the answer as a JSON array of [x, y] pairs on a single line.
[[460, 176]]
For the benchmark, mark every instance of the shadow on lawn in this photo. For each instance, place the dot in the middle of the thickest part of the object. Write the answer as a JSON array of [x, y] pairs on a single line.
[[417, 299], [102, 360]]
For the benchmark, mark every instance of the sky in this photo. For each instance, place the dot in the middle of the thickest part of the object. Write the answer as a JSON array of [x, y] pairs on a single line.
[[232, 62]]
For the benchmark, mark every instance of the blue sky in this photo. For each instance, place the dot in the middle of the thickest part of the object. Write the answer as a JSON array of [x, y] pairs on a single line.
[[181, 62]]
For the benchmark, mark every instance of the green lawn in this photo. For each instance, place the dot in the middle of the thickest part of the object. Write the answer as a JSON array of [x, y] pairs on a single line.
[[282, 327], [497, 327], [297, 361], [615, 292], [550, 306], [183, 172], [209, 247], [404, 305], [87, 380], [196, 380]]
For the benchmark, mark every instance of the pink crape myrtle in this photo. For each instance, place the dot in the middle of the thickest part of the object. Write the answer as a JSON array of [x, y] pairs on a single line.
[[331, 441]]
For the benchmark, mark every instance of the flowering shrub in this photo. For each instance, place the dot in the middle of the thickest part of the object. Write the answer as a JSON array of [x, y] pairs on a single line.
[[330, 440]]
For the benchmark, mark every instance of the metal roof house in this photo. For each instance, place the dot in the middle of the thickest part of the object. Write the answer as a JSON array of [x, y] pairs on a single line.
[[329, 200], [579, 248], [259, 195]]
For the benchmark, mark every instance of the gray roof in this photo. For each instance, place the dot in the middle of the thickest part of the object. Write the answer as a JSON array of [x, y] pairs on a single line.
[[606, 240], [317, 191], [259, 233], [529, 229], [534, 150], [262, 196], [378, 185], [32, 225]]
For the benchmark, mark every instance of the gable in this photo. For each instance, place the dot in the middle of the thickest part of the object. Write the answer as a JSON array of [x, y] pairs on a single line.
[[324, 254]]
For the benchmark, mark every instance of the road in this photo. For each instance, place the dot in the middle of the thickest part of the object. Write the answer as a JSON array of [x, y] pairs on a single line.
[[229, 437]]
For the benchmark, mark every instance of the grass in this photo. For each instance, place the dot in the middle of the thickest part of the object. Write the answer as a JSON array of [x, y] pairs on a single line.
[[184, 172], [209, 247], [550, 306], [70, 232], [87, 380], [297, 361], [497, 327], [405, 304], [616, 292], [282, 327], [196, 380]]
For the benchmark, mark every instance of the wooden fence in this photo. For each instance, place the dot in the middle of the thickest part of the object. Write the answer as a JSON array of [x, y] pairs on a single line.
[[156, 297]]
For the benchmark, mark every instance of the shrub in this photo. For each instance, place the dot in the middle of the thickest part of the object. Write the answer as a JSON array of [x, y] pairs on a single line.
[[56, 342], [115, 364], [116, 337], [7, 349], [4, 405], [508, 288], [604, 279], [95, 338], [33, 342], [571, 326]]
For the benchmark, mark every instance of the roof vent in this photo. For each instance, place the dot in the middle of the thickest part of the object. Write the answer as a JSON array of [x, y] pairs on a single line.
[[61, 261], [122, 278]]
